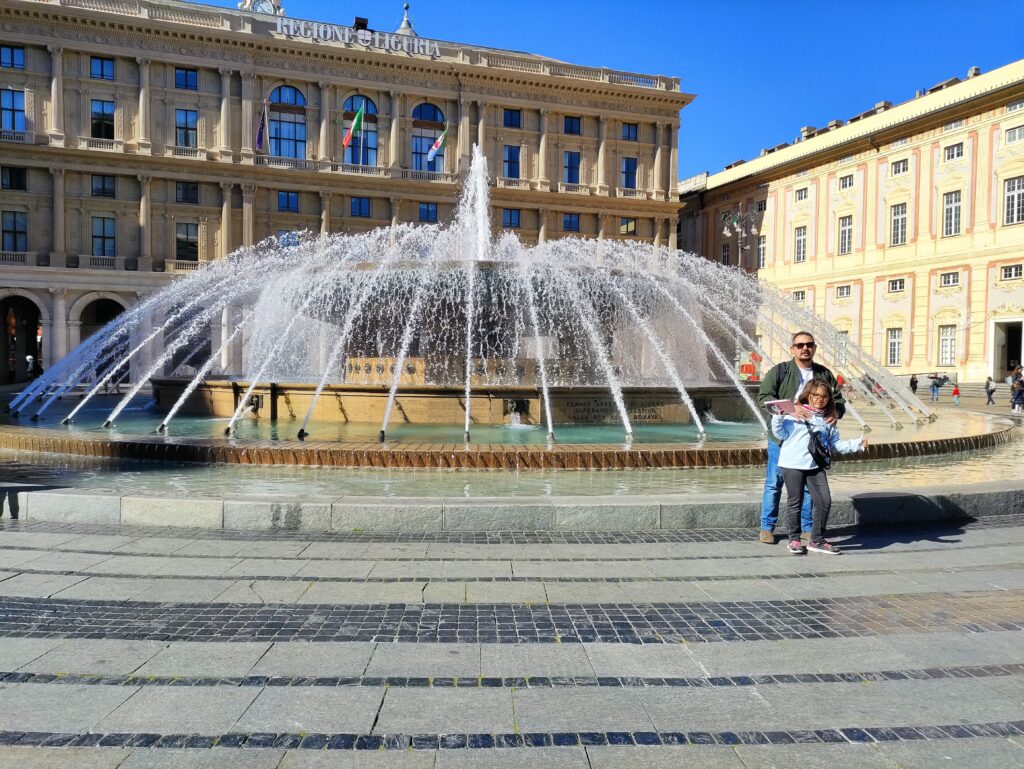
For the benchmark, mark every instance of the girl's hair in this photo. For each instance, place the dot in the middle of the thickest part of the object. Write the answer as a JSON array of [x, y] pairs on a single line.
[[816, 385]]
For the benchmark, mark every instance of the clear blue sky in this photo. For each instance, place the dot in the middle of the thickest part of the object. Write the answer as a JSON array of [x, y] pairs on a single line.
[[760, 70]]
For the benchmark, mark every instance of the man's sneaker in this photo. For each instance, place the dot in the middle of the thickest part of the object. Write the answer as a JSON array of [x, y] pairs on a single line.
[[795, 547], [823, 547], [767, 537]]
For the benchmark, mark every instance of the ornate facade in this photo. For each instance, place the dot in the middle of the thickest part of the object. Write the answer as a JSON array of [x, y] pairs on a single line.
[[142, 138]]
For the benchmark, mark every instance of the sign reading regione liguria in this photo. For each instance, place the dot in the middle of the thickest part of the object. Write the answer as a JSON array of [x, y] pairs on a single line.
[[322, 32]]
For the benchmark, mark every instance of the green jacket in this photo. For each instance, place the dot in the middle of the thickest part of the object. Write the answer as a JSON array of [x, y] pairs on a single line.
[[783, 380]]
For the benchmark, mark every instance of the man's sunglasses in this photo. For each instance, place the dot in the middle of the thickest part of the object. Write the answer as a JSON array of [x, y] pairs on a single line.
[[802, 345]]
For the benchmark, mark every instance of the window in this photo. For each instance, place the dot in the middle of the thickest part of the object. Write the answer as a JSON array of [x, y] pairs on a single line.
[[572, 125], [360, 207], [510, 162], [801, 194], [428, 212], [900, 166], [844, 292], [896, 285], [953, 125], [1014, 200], [513, 118], [628, 175], [630, 132], [799, 296], [104, 234], [428, 125], [762, 206], [186, 192], [949, 279], [954, 151], [627, 225], [13, 178], [185, 122], [571, 167], [362, 149], [845, 234], [12, 110], [894, 338], [186, 79], [510, 218], [1014, 135], [899, 143], [762, 251], [12, 57], [571, 222], [951, 214], [101, 69], [287, 201], [1012, 272], [287, 123], [846, 182], [800, 244], [947, 345], [103, 186], [102, 123], [898, 216], [15, 231], [1015, 106], [725, 254], [186, 242]]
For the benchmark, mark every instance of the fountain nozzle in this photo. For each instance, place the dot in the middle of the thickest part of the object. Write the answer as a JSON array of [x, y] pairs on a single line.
[[551, 437], [466, 434], [108, 423], [227, 430], [383, 436], [35, 417], [162, 428], [302, 435], [66, 421]]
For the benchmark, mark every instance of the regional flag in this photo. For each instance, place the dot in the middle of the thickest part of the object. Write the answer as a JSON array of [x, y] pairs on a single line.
[[261, 131], [357, 125], [437, 146]]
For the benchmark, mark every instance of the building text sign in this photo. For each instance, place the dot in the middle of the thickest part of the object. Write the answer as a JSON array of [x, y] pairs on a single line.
[[322, 32]]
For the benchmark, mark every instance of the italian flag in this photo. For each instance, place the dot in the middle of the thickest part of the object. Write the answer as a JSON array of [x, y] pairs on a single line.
[[437, 145], [357, 125]]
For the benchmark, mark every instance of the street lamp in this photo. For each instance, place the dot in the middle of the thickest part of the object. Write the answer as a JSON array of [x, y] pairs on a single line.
[[741, 225]]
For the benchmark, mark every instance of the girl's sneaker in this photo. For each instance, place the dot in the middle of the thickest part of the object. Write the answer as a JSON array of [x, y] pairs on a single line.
[[823, 547], [795, 547]]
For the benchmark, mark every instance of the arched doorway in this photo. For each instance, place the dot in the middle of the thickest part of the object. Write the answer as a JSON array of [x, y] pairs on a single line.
[[22, 336], [97, 314]]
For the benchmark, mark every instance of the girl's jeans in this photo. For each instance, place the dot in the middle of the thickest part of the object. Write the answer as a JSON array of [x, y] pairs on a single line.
[[817, 483]]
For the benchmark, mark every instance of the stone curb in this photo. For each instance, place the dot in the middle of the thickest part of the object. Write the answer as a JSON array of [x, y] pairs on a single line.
[[598, 513]]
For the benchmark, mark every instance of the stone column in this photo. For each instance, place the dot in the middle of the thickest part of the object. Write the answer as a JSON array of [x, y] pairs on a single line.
[[542, 225], [395, 137], [602, 138], [481, 130], [464, 143], [326, 140], [248, 92], [602, 222], [248, 217], [225, 114], [673, 161], [56, 96], [225, 219], [142, 139], [59, 330], [396, 211], [325, 213], [659, 146], [543, 183], [673, 233], [659, 225], [145, 228], [227, 326], [58, 252]]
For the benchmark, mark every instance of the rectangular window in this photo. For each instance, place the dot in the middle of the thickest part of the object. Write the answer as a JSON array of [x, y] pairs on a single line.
[[186, 242], [799, 296], [800, 244], [572, 125], [896, 285], [13, 178], [726, 256], [801, 194], [947, 345], [630, 132], [1015, 105], [952, 126], [104, 236], [513, 118], [843, 292], [762, 251], [186, 79], [628, 175], [186, 192], [510, 218], [951, 214], [288, 201], [102, 123], [1014, 200], [1012, 272], [12, 57], [360, 207], [571, 222], [900, 166], [949, 279], [510, 162], [627, 225], [846, 182], [571, 167], [101, 69], [1014, 135], [894, 338], [15, 231], [12, 110], [954, 151], [845, 234], [103, 186], [185, 122], [428, 212], [898, 217], [899, 143], [762, 206]]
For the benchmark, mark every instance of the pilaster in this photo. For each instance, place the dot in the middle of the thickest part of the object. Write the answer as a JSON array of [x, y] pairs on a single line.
[[56, 133], [142, 139], [225, 114]]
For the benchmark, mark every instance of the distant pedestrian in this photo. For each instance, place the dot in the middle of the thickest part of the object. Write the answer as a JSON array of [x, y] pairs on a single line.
[[934, 387], [990, 390], [913, 384], [1017, 397], [30, 367], [956, 395]]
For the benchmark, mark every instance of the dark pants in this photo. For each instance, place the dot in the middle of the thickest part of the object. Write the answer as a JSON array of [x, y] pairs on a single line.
[[821, 501], [989, 394]]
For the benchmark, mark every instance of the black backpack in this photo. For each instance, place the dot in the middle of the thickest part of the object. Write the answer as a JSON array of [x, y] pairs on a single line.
[[818, 448]]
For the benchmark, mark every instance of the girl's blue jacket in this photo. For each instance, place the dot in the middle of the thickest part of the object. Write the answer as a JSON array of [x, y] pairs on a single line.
[[795, 452]]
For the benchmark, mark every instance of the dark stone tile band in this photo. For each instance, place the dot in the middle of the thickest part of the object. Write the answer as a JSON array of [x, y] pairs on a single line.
[[523, 682]]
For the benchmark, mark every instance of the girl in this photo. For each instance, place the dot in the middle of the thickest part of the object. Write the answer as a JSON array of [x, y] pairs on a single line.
[[799, 467], [956, 395]]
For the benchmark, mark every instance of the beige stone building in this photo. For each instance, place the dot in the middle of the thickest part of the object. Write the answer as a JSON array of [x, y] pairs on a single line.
[[902, 226], [142, 138]]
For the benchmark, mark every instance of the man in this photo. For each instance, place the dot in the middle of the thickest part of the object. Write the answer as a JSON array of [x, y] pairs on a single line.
[[785, 381]]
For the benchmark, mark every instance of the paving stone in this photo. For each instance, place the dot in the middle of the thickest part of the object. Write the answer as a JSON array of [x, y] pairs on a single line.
[[520, 660], [122, 565], [265, 567], [667, 757], [162, 545], [262, 592], [182, 590], [94, 656], [178, 710], [444, 711], [438, 660], [197, 567], [653, 660], [586, 709], [38, 585], [814, 757], [298, 658], [16, 652], [535, 758], [203, 758], [359, 569], [12, 558], [506, 592], [106, 588], [184, 658], [481, 568], [982, 753], [318, 710], [710, 709], [58, 708], [362, 759], [63, 758], [803, 655]]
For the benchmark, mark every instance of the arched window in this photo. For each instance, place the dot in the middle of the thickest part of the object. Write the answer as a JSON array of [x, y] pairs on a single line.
[[287, 122], [362, 150], [427, 126]]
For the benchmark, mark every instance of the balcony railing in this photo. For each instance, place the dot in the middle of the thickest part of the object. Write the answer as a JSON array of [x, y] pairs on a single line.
[[360, 170], [24, 258], [107, 145], [574, 189], [101, 262], [301, 164], [188, 152], [428, 176], [630, 192], [19, 137], [513, 184], [181, 265]]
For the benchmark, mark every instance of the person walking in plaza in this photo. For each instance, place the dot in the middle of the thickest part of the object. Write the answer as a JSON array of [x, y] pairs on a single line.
[[990, 390], [935, 385], [783, 382], [1017, 397], [913, 384], [808, 443], [956, 395]]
